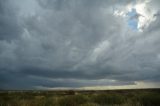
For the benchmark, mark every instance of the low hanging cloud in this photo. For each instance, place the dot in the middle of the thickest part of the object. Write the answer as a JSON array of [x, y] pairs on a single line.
[[70, 43]]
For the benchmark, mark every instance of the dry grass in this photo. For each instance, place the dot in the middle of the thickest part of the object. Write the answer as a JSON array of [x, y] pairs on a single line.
[[150, 97]]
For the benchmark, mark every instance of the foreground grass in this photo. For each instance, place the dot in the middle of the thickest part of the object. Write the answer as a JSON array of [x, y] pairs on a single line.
[[148, 97]]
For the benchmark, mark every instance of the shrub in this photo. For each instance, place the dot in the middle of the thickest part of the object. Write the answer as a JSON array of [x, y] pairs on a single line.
[[103, 99], [73, 100], [149, 99]]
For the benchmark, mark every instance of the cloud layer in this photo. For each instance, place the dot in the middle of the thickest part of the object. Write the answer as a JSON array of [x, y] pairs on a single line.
[[70, 43]]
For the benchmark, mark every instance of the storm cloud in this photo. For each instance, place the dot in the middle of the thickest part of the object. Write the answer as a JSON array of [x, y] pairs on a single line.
[[76, 43]]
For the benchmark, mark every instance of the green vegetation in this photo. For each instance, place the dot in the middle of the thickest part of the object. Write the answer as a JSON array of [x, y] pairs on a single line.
[[146, 97]]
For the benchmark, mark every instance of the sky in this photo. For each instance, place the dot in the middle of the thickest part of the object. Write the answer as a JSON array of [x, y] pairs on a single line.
[[79, 44]]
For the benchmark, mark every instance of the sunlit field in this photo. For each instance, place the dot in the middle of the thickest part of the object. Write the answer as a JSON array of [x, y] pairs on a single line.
[[145, 97]]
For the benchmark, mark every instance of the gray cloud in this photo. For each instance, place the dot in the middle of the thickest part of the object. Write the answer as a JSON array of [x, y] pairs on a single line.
[[9, 28], [74, 44]]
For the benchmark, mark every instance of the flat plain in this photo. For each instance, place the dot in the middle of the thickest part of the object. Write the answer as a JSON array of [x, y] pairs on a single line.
[[130, 97]]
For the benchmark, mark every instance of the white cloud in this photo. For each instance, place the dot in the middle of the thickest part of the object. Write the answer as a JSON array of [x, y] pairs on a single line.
[[145, 13]]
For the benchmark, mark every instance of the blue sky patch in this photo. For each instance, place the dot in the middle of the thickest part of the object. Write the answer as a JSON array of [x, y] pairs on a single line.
[[132, 20]]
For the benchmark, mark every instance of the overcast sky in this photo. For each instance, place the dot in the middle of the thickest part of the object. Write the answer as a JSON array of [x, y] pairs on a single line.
[[79, 43]]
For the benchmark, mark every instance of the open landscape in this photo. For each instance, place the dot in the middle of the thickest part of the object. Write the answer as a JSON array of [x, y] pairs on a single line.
[[132, 97], [79, 52]]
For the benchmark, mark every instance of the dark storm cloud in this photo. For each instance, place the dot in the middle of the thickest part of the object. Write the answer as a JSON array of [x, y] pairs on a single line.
[[9, 26], [70, 43], [23, 81]]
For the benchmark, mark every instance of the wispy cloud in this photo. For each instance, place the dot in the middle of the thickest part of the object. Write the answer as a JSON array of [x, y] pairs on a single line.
[[70, 43]]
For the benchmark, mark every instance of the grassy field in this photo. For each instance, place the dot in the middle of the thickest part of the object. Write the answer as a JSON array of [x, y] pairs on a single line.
[[138, 97]]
